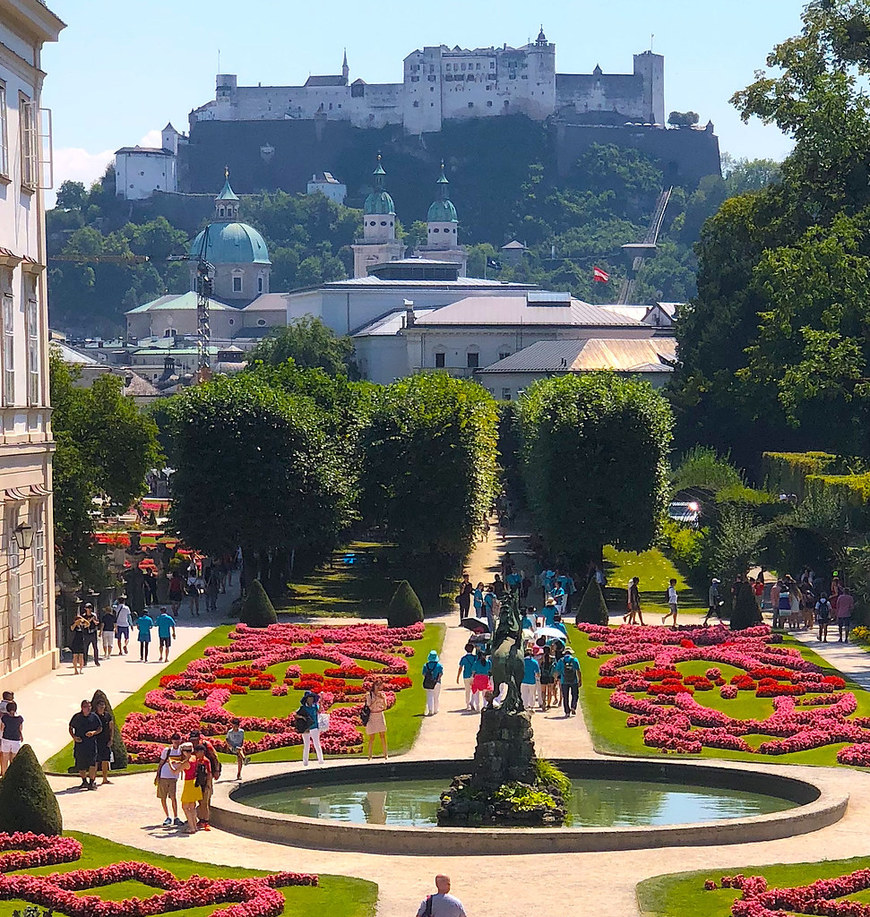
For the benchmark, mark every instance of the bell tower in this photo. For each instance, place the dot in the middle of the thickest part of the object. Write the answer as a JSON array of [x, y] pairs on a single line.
[[379, 242]]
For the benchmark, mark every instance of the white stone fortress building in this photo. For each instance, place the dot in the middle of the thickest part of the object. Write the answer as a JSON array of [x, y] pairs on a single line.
[[441, 83]]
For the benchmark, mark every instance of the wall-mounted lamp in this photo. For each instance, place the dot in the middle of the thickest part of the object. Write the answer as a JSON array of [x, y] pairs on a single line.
[[23, 535]]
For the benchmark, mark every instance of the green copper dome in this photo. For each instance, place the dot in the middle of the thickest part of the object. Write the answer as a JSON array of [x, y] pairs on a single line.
[[379, 201], [442, 212], [231, 243]]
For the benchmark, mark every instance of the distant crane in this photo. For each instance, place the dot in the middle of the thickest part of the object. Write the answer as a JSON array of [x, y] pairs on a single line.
[[204, 291], [101, 259]]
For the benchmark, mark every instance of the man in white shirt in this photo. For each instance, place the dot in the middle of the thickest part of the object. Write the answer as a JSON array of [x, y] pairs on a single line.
[[123, 622], [167, 780], [672, 602], [441, 904]]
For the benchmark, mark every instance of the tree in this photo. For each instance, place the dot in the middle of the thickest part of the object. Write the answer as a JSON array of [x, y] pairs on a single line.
[[745, 612], [255, 467], [105, 446], [429, 470], [309, 343], [775, 341], [72, 195], [683, 118], [595, 462], [27, 802]]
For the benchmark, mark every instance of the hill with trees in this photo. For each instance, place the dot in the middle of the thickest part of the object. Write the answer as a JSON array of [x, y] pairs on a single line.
[[502, 191]]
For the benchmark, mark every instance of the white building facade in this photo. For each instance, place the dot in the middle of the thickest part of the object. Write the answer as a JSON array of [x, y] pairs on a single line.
[[441, 83], [140, 171], [27, 628]]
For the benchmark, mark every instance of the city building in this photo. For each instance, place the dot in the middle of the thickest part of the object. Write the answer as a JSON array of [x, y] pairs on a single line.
[[237, 251], [442, 229], [140, 170], [651, 359], [328, 185], [28, 645]]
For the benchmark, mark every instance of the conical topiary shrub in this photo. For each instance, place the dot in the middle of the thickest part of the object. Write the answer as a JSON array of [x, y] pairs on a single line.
[[405, 608], [119, 750], [26, 800], [592, 608], [745, 613], [257, 609]]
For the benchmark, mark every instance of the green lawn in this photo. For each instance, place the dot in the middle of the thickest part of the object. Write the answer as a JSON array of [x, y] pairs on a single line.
[[683, 895], [403, 719], [611, 736], [337, 896], [655, 572]]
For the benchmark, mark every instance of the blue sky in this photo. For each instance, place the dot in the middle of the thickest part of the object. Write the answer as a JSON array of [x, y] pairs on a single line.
[[122, 70]]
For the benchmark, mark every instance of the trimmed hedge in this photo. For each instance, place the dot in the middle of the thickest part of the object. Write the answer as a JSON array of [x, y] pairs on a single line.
[[592, 608], [257, 609], [119, 750], [405, 608], [27, 802], [786, 472]]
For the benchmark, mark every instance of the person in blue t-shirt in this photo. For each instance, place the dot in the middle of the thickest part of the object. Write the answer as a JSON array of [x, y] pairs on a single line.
[[549, 611], [477, 600], [567, 669], [489, 608], [144, 623], [432, 672], [466, 667], [165, 633], [529, 686]]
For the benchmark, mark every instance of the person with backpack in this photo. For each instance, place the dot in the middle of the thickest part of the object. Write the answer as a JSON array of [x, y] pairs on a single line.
[[308, 726], [442, 903], [568, 670], [432, 672], [823, 617]]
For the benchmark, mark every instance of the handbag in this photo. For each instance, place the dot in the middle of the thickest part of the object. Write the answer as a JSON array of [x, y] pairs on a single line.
[[365, 714], [323, 722]]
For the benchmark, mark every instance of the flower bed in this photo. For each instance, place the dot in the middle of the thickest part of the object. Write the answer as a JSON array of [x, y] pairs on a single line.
[[810, 709], [820, 897], [224, 671], [251, 897]]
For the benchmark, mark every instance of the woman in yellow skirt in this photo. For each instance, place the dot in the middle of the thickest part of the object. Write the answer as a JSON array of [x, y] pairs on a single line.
[[191, 794]]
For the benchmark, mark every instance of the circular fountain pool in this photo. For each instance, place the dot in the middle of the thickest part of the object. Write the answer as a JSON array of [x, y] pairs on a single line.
[[618, 804], [593, 803]]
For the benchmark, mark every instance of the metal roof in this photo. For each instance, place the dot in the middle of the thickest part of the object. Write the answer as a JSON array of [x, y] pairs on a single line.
[[516, 310], [617, 354], [391, 323], [175, 302], [461, 283], [273, 302]]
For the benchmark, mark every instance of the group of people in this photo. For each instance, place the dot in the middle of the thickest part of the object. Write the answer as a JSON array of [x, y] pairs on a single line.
[[88, 630], [92, 730], [196, 764], [204, 578], [809, 601]]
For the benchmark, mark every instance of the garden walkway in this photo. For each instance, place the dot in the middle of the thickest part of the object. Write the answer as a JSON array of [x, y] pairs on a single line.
[[48, 703], [849, 658], [127, 812]]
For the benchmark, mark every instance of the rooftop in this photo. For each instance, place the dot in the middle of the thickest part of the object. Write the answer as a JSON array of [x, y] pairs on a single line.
[[528, 309], [652, 355], [391, 323], [175, 302]]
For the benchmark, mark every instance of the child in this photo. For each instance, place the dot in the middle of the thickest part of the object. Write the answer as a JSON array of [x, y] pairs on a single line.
[[236, 741]]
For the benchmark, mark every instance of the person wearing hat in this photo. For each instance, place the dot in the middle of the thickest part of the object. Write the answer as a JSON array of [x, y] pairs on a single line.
[[568, 671], [549, 611], [432, 672], [308, 716], [715, 602]]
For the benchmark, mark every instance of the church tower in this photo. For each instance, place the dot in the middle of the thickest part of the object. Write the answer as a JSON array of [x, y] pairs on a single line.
[[345, 70], [442, 243], [379, 242]]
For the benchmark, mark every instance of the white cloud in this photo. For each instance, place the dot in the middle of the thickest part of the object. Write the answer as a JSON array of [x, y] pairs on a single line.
[[77, 164]]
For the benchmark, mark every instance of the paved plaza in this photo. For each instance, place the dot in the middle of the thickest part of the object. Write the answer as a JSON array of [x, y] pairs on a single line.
[[128, 812]]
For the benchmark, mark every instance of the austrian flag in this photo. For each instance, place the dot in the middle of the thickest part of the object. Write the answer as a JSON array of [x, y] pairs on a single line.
[[600, 276]]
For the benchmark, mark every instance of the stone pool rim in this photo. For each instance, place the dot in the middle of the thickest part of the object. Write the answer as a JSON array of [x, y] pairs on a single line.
[[816, 807]]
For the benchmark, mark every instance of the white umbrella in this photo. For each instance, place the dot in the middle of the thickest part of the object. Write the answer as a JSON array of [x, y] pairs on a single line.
[[551, 633]]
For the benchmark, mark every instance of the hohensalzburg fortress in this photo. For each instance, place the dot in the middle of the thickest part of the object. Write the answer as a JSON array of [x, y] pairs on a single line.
[[443, 83]]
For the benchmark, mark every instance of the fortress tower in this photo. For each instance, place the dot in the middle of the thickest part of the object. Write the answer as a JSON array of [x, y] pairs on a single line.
[[379, 242]]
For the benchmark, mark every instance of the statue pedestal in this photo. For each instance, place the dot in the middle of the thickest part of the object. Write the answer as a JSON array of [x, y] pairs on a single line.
[[505, 750], [504, 782]]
